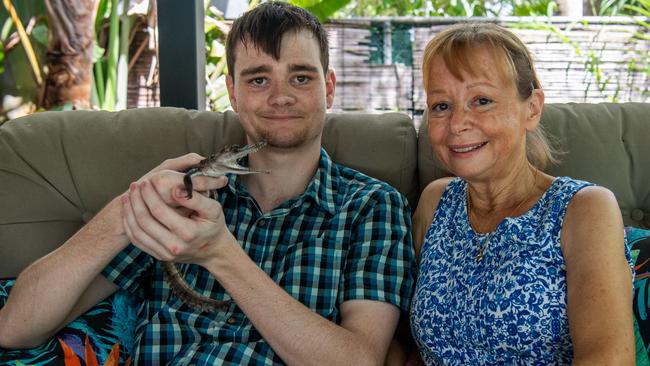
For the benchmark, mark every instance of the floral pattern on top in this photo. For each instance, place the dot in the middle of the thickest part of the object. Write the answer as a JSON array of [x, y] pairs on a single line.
[[508, 308]]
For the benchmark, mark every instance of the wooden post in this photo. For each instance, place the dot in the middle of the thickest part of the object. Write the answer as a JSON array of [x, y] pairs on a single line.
[[181, 46]]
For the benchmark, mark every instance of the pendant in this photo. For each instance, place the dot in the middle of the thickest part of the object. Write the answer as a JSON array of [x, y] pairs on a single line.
[[479, 256]]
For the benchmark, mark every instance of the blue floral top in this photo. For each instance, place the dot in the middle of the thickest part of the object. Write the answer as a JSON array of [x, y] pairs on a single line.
[[508, 308]]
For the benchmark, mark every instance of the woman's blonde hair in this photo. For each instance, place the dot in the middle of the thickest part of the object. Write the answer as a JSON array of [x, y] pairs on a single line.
[[456, 45]]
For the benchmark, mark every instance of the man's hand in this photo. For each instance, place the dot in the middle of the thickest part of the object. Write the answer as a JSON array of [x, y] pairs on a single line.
[[164, 177], [160, 220]]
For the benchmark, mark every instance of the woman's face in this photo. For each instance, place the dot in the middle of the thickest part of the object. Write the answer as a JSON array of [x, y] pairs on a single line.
[[477, 127]]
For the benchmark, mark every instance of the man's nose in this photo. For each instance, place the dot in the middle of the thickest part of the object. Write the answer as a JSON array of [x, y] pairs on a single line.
[[282, 94]]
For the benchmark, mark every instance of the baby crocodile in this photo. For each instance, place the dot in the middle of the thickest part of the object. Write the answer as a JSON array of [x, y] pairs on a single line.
[[216, 165], [222, 163]]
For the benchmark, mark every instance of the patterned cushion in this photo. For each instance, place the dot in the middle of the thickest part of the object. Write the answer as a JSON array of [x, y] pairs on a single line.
[[639, 242], [107, 323]]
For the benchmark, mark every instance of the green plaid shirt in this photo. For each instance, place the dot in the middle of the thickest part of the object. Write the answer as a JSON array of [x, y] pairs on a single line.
[[346, 238]]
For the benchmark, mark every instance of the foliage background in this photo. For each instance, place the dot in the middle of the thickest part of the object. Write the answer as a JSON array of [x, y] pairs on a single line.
[[115, 26]]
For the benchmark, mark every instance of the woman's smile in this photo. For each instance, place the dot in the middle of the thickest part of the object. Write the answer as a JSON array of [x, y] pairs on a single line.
[[466, 148]]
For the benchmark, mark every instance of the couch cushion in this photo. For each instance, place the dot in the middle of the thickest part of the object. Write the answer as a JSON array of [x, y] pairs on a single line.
[[603, 143], [59, 168]]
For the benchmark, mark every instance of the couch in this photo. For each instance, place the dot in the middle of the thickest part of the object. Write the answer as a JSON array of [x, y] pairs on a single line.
[[57, 169]]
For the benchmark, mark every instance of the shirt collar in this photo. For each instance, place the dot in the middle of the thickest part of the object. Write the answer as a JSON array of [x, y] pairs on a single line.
[[321, 188]]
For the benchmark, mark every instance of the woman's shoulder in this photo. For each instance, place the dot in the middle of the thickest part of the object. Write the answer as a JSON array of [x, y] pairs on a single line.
[[435, 188], [428, 202], [427, 206], [590, 205], [592, 213]]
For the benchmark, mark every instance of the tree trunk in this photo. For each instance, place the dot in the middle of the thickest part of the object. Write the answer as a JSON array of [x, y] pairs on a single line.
[[69, 52]]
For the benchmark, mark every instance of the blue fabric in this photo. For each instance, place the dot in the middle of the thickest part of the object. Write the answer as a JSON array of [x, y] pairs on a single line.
[[347, 237], [639, 242], [510, 307], [109, 322]]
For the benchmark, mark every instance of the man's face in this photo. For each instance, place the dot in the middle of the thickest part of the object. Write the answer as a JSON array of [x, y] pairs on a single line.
[[283, 101]]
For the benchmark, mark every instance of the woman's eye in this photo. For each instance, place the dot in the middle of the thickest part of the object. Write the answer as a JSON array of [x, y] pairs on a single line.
[[439, 107], [483, 101]]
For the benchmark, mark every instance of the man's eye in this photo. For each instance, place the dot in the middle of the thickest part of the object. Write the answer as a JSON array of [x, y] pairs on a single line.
[[258, 81], [302, 79]]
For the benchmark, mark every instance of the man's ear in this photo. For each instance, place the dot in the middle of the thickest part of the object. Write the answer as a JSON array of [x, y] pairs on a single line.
[[330, 87], [535, 107], [230, 84]]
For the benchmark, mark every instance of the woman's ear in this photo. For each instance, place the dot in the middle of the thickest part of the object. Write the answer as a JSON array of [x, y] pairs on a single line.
[[535, 107]]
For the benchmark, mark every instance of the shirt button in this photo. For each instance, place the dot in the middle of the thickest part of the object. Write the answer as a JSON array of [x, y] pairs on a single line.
[[262, 222], [231, 320]]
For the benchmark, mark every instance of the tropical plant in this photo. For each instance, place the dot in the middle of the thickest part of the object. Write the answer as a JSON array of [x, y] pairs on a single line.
[[324, 9], [85, 68], [641, 61], [23, 42], [90, 358], [216, 30], [69, 53], [115, 23], [609, 7], [373, 8]]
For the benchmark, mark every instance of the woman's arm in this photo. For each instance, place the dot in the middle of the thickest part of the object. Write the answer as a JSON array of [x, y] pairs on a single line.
[[599, 280], [423, 215]]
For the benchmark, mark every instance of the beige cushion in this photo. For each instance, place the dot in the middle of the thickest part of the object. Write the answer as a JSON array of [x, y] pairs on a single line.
[[57, 169], [607, 144]]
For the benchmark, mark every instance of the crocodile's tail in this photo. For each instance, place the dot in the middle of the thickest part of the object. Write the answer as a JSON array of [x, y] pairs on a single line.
[[181, 289]]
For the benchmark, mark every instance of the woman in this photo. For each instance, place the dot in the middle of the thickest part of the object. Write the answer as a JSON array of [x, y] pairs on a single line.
[[516, 266]]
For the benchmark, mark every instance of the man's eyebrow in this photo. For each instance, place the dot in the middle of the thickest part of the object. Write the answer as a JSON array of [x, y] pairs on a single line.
[[255, 70], [302, 67]]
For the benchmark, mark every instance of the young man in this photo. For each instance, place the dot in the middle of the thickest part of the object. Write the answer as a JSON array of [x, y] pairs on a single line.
[[316, 258]]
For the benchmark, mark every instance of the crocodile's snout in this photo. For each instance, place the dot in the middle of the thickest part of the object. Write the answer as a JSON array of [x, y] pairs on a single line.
[[222, 163]]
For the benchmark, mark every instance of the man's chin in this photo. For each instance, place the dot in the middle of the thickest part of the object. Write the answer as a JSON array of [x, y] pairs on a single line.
[[289, 142]]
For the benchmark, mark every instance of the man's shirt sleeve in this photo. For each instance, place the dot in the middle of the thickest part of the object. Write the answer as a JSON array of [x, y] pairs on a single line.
[[381, 260], [128, 269]]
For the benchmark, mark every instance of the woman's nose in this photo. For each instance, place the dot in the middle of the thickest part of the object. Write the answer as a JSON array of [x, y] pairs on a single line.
[[459, 120]]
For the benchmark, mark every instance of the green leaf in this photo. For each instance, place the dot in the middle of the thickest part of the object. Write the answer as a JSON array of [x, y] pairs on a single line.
[[110, 94], [101, 14], [6, 28], [638, 10], [322, 9], [2, 58], [98, 82], [63, 107], [98, 52], [39, 33], [304, 3]]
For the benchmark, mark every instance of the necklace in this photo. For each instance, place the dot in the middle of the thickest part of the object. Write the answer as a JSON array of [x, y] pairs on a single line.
[[484, 238]]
